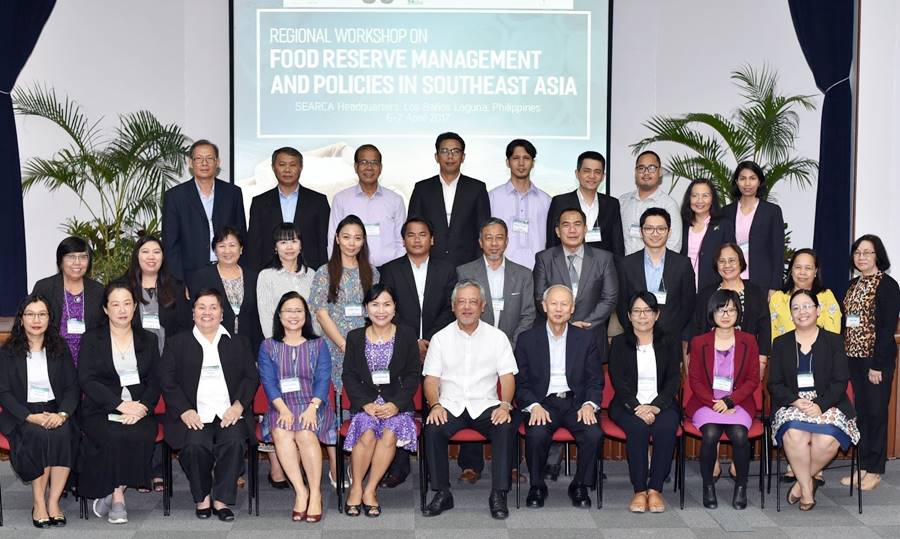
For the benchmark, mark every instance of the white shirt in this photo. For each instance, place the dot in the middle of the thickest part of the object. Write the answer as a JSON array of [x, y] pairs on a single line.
[[469, 367], [591, 209], [632, 207], [420, 273], [212, 391], [39, 389], [125, 363], [449, 191], [646, 371], [208, 202], [558, 382], [495, 282]]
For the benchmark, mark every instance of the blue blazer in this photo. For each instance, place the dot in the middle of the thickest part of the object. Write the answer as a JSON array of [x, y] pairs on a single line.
[[719, 231], [766, 244]]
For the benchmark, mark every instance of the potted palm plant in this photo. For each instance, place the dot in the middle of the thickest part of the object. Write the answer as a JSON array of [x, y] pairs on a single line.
[[118, 177]]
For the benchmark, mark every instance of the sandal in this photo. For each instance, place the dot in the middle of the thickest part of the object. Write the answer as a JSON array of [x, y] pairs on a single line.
[[353, 510], [372, 511], [158, 485]]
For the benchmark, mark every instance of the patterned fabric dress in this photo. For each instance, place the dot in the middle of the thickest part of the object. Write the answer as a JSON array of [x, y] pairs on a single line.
[[73, 309], [378, 357], [234, 294]]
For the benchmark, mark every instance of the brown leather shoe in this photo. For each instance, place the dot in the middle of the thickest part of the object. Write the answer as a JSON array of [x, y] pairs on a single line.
[[469, 476], [639, 502], [518, 476], [655, 501]]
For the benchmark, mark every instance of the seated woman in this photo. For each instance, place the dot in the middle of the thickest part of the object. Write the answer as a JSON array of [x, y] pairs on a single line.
[[39, 393], [208, 379], [295, 370], [645, 371], [808, 384], [117, 371], [381, 374], [723, 376]]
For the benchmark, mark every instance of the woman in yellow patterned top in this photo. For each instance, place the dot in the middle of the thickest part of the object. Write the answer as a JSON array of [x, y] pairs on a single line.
[[804, 275]]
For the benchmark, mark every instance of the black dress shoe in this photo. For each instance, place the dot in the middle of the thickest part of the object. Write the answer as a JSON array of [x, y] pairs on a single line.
[[203, 513], [442, 501], [497, 503], [536, 496], [551, 472], [709, 497], [739, 500], [280, 485], [59, 521], [42, 523], [391, 481], [579, 496], [225, 514]]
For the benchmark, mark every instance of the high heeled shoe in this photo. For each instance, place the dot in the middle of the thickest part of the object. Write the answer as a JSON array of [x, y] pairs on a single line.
[[298, 516]]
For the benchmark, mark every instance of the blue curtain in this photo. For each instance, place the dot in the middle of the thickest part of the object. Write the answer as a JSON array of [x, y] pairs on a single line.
[[825, 32], [21, 22]]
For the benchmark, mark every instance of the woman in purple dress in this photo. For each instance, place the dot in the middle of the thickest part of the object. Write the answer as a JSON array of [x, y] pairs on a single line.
[[295, 371], [381, 374]]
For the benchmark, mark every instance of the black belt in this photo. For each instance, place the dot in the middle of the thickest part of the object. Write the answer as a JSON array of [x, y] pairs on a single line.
[[562, 395]]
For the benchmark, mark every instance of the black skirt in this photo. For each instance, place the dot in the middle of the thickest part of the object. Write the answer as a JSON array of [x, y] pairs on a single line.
[[33, 448], [113, 454]]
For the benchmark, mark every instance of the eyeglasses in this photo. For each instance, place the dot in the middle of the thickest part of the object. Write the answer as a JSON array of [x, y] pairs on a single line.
[[640, 169], [863, 254], [204, 159], [806, 307], [727, 261], [655, 229], [455, 152], [76, 257], [726, 311], [368, 163], [641, 312], [292, 311], [36, 316]]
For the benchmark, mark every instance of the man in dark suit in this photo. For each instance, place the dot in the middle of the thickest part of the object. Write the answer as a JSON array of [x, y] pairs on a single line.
[[422, 285], [664, 273], [560, 384], [290, 202], [604, 219], [456, 205], [195, 209]]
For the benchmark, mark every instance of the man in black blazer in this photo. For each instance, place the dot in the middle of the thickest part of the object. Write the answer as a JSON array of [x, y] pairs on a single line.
[[560, 384], [195, 209], [670, 275], [604, 218], [290, 202], [455, 205], [422, 285]]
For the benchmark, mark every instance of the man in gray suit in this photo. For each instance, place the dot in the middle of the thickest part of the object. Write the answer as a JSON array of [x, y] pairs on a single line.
[[509, 289]]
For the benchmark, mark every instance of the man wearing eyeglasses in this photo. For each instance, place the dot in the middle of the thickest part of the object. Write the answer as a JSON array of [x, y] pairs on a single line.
[[382, 211], [455, 204], [194, 210], [663, 272], [647, 179]]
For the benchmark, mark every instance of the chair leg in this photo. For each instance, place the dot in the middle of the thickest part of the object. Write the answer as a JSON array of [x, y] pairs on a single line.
[[778, 479], [858, 478], [677, 480], [250, 483], [681, 459], [567, 459], [256, 478], [600, 478], [339, 450], [518, 465], [1, 507], [421, 460], [852, 468], [762, 475]]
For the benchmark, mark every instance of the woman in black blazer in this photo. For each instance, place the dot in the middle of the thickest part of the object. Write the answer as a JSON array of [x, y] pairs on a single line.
[[39, 394], [703, 230], [808, 384], [644, 368], [117, 372], [208, 379], [236, 285], [75, 299], [758, 227], [381, 374]]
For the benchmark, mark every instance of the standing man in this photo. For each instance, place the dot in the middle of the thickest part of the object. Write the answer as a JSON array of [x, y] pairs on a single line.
[[664, 273], [509, 289], [604, 219], [194, 210], [456, 205], [382, 211], [289, 202], [521, 205], [422, 285], [647, 178]]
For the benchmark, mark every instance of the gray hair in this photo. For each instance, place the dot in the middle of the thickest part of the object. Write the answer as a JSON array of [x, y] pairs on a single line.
[[495, 221], [547, 292], [464, 283]]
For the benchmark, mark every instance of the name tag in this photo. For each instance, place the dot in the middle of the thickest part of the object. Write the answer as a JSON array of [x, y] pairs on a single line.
[[236, 308], [497, 304], [722, 383], [150, 321], [210, 371], [381, 377], [635, 231], [745, 248], [520, 225], [115, 418], [805, 379], [593, 235], [853, 321], [558, 380], [75, 326], [353, 310], [660, 297], [289, 385], [38, 393], [129, 378], [373, 229]]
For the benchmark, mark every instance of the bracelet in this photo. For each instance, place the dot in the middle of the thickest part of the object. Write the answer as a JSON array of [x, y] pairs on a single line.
[[433, 405]]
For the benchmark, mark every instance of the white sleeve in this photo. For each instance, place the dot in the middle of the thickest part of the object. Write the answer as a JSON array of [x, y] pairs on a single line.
[[433, 363], [506, 361]]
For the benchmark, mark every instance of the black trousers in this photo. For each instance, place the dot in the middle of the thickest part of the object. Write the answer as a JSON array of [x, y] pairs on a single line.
[[871, 401], [709, 451], [436, 446], [471, 454], [639, 434], [563, 413], [212, 460]]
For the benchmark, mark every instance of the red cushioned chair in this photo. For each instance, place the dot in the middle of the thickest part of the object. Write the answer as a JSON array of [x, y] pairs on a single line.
[[4, 444]]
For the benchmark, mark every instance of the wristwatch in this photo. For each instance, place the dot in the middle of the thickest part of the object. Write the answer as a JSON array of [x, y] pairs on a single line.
[[315, 404], [64, 415], [506, 405]]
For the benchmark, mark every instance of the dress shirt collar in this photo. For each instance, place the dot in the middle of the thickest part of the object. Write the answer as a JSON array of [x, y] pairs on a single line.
[[451, 184], [212, 192], [293, 194], [648, 262], [552, 336], [510, 188], [462, 333], [204, 342], [652, 196], [422, 266], [360, 193], [584, 201], [579, 253], [487, 265]]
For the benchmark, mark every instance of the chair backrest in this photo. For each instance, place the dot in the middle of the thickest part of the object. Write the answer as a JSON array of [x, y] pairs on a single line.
[[850, 394], [687, 393], [160, 406], [345, 399], [608, 391], [418, 398], [260, 402]]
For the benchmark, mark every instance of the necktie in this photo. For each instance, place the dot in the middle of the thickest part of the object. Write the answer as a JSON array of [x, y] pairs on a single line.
[[573, 273]]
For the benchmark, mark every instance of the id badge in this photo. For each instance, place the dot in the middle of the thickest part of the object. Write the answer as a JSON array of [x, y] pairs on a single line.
[[805, 379], [210, 371], [853, 321], [373, 229], [660, 297], [558, 380], [745, 248], [115, 418], [129, 378], [520, 225], [381, 377], [722, 383], [236, 309], [150, 321], [289, 385], [75, 326], [497, 304], [353, 310], [593, 235], [38, 393], [635, 231]]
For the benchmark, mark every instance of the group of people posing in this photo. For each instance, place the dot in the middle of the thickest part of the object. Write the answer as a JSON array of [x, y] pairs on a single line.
[[498, 305]]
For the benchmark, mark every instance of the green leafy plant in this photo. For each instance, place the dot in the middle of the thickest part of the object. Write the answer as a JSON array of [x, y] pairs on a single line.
[[127, 172]]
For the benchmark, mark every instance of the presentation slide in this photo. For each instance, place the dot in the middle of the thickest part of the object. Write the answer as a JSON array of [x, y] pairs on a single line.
[[325, 76]]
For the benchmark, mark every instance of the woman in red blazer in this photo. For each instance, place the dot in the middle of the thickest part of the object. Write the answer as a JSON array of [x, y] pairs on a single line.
[[723, 376]]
